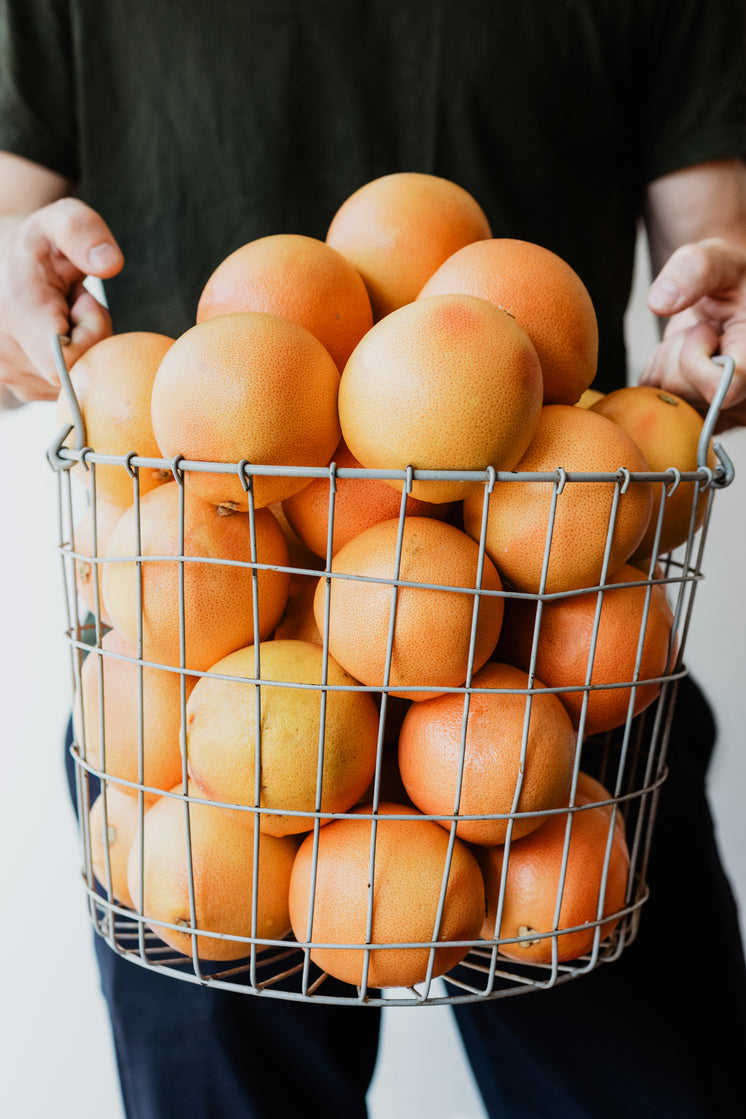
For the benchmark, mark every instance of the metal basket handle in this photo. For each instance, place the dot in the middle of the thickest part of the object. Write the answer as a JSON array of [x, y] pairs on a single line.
[[78, 425]]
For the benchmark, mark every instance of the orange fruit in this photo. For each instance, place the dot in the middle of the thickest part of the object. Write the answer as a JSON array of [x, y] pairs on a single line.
[[89, 573], [446, 383], [667, 430], [223, 870], [218, 596], [433, 623], [300, 277], [115, 676], [520, 511], [247, 386], [544, 294], [589, 790], [397, 229], [534, 879], [222, 720], [486, 781], [358, 504], [113, 821], [565, 646], [411, 863], [113, 381]]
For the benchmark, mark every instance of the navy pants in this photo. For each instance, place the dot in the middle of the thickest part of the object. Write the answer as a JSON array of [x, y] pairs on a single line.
[[658, 1034]]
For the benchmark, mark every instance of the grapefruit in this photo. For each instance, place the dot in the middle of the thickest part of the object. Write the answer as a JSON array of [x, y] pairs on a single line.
[[446, 383], [543, 294], [397, 229], [218, 583], [404, 889], [299, 277], [251, 745], [520, 510], [247, 386], [434, 607]]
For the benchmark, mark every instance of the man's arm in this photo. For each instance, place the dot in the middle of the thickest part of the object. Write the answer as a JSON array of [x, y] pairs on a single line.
[[49, 243], [696, 228]]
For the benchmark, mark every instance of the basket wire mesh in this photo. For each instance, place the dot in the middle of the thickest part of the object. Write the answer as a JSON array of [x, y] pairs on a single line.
[[630, 760]]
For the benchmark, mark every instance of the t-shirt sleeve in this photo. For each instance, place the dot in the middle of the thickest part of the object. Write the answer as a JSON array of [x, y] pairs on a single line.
[[692, 106], [37, 88]]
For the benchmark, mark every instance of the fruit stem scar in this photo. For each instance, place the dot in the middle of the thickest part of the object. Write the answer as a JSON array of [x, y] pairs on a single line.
[[526, 930]]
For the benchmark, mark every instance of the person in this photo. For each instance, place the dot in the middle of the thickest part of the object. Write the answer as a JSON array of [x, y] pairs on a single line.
[[141, 149]]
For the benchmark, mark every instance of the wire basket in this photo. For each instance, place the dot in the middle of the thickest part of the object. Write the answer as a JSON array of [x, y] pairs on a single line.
[[448, 965]]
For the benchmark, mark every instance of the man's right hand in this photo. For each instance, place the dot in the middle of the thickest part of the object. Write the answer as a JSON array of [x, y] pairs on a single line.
[[44, 259]]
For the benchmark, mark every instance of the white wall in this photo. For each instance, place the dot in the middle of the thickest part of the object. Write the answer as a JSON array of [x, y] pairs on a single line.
[[55, 1054]]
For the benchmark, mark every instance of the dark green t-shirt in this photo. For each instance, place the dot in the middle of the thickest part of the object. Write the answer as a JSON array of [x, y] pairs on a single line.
[[195, 127]]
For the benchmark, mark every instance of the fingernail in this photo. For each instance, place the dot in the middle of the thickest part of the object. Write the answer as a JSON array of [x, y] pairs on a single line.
[[104, 256], [663, 294]]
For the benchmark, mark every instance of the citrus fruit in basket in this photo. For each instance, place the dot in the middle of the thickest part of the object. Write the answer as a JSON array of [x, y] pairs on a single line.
[[668, 430], [113, 821], [220, 852], [520, 511], [433, 624], [544, 294], [115, 676], [218, 584], [358, 504], [446, 383], [589, 790], [247, 386], [113, 382], [87, 578], [534, 879], [493, 766], [300, 277], [397, 229], [222, 721], [404, 889], [566, 643]]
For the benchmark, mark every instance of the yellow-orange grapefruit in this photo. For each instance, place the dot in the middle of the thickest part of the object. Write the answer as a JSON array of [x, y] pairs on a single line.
[[544, 294], [397, 229], [218, 596], [90, 538], [113, 381], [219, 853], [224, 748], [433, 623], [667, 430], [247, 386], [410, 869], [113, 821], [446, 383], [116, 676], [520, 512], [300, 277]]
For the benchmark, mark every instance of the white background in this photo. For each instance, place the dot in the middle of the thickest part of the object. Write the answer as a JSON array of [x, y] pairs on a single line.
[[55, 1053]]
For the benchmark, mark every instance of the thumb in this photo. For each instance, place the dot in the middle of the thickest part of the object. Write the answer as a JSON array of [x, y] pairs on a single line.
[[81, 235], [693, 271]]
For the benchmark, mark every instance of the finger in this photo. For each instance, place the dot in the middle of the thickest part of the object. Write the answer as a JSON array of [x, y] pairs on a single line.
[[82, 236], [90, 323], [682, 364], [693, 271]]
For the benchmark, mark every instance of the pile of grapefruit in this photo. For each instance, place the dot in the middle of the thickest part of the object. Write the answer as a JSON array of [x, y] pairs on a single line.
[[352, 674]]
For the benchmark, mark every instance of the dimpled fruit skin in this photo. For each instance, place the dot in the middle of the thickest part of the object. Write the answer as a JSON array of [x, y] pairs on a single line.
[[410, 862]]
